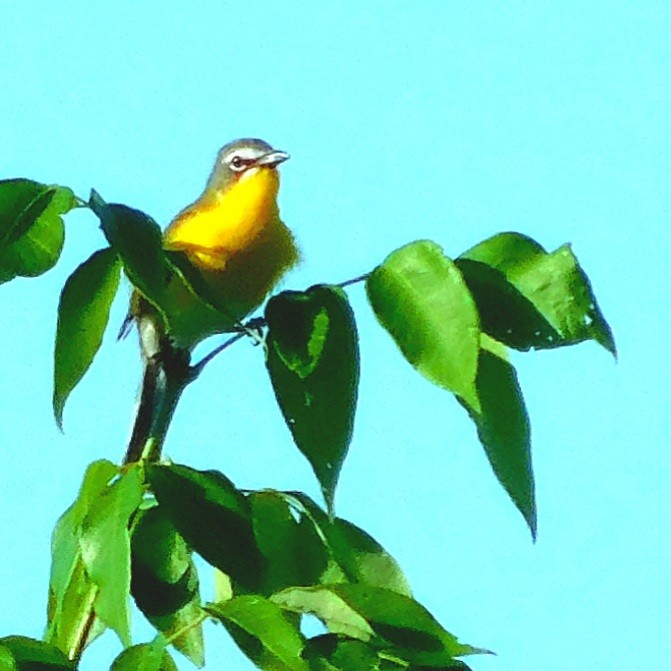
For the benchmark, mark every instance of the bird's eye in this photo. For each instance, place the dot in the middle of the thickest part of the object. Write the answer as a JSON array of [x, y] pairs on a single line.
[[238, 163]]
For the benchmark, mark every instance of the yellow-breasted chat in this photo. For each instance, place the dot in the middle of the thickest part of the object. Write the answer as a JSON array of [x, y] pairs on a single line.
[[234, 238], [239, 248]]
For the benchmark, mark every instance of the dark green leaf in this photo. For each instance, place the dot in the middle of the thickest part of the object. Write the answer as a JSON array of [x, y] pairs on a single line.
[[83, 314], [555, 284], [455, 665], [420, 297], [358, 555], [213, 517], [145, 657], [164, 581], [293, 548], [330, 652], [503, 429], [263, 632], [313, 362], [213, 299], [163, 278], [505, 314], [138, 241], [31, 655], [390, 621], [105, 549], [31, 227]]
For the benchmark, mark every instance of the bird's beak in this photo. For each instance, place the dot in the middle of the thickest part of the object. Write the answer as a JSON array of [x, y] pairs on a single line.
[[272, 158]]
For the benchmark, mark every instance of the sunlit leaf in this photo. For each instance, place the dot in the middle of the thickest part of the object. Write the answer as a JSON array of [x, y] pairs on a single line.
[[420, 297], [263, 632], [554, 283], [145, 657], [329, 607], [508, 252], [164, 582], [31, 226], [560, 289], [7, 661], [313, 362], [105, 548], [213, 517], [83, 314], [71, 591], [29, 654], [223, 587]]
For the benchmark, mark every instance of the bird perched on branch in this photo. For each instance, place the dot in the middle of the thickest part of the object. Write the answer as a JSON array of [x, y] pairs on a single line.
[[237, 249]]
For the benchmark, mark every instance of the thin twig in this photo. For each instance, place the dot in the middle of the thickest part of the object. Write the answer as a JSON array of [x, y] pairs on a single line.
[[198, 368], [346, 283]]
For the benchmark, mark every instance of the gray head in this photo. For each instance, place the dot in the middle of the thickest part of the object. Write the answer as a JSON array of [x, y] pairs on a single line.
[[236, 157]]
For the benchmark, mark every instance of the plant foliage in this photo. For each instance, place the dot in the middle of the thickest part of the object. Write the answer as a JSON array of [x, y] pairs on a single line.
[[133, 530]]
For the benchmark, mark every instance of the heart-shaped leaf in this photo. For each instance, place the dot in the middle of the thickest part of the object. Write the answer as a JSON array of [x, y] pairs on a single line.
[[313, 362]]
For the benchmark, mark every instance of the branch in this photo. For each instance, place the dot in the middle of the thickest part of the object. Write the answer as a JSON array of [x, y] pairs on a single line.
[[354, 280]]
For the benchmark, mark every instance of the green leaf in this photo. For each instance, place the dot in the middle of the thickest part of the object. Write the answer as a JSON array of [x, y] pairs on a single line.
[[360, 558], [326, 604], [31, 655], [503, 429], [421, 299], [104, 542], [555, 284], [263, 632], [394, 623], [293, 548], [166, 279], [211, 298], [164, 582], [138, 241], [331, 652], [65, 543], [31, 226], [508, 252], [505, 314], [363, 559], [83, 314], [388, 663], [71, 592], [7, 661], [567, 301], [145, 657], [213, 517], [313, 362]]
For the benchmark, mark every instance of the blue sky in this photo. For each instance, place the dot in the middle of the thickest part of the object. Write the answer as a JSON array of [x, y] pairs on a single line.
[[405, 120]]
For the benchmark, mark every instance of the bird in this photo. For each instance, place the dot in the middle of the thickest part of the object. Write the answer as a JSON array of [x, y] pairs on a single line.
[[236, 248]]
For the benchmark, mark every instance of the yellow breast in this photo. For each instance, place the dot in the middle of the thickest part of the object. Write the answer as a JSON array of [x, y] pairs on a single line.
[[220, 225], [241, 248]]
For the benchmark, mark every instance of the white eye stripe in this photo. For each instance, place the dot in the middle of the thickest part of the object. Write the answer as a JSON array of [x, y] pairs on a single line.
[[238, 163], [240, 159]]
